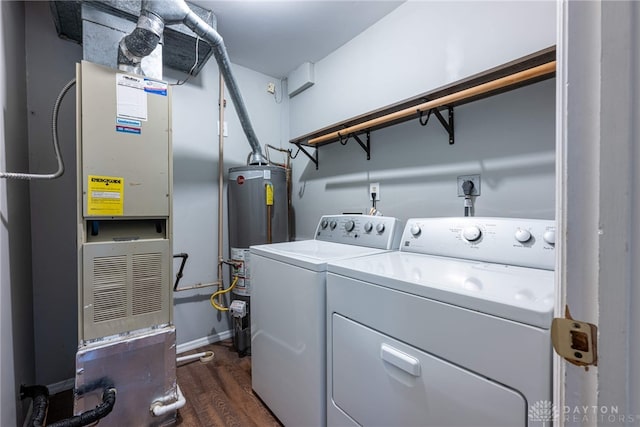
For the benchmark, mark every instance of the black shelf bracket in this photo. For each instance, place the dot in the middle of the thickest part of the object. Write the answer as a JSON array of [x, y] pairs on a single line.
[[447, 125], [365, 146], [314, 157]]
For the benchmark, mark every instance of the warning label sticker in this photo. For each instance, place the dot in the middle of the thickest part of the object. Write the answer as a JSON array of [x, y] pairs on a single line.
[[105, 195]]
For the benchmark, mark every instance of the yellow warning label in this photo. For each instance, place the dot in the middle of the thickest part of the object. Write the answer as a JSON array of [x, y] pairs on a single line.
[[105, 195], [269, 194]]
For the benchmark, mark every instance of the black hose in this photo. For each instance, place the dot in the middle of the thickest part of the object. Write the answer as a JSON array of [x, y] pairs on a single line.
[[92, 415], [40, 396], [184, 257]]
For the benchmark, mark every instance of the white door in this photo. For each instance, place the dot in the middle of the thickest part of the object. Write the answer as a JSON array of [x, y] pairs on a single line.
[[598, 209]]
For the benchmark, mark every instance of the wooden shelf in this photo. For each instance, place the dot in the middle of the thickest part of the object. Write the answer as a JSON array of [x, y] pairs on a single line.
[[521, 72]]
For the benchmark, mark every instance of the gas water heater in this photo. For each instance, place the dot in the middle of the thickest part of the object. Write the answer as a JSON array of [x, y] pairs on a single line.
[[258, 214]]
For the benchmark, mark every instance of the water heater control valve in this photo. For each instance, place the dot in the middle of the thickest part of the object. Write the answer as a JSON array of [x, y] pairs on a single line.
[[238, 308]]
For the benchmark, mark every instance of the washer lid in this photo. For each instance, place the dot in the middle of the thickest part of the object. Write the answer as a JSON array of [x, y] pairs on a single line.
[[311, 254], [517, 293]]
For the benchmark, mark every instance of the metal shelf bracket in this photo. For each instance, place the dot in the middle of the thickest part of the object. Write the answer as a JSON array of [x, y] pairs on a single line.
[[365, 146], [447, 125], [314, 157]]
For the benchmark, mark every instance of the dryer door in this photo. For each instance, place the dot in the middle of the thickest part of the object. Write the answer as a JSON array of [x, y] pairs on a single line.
[[379, 381]]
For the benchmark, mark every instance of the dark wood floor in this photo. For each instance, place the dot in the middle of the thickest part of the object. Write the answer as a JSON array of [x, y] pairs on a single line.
[[218, 393]]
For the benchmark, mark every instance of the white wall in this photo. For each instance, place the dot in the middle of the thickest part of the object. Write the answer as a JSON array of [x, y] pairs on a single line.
[[16, 313], [508, 139], [50, 64]]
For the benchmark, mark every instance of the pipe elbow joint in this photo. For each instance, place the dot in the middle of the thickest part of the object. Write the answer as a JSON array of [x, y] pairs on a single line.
[[257, 158], [140, 43], [171, 12]]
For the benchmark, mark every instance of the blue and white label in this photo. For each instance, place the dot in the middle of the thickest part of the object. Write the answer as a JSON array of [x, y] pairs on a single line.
[[155, 87], [127, 129], [128, 122]]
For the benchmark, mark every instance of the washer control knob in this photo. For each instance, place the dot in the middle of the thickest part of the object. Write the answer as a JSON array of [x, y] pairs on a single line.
[[324, 223], [332, 225], [471, 233], [349, 225], [368, 227], [415, 230], [522, 235], [549, 236], [380, 228]]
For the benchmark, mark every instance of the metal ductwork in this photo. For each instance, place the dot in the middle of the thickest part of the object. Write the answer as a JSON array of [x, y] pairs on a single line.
[[214, 39], [100, 25], [154, 15]]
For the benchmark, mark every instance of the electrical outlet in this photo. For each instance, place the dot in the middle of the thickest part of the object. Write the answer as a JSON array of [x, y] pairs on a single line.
[[271, 88], [476, 184], [374, 187]]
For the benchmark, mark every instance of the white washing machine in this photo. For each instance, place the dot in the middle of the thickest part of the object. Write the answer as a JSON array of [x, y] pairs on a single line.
[[288, 319], [452, 330]]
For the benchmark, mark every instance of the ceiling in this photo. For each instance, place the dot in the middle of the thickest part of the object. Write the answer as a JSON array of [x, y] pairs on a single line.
[[275, 36]]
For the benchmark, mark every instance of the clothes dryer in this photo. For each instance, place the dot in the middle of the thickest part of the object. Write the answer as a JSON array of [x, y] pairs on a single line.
[[452, 330], [288, 321]]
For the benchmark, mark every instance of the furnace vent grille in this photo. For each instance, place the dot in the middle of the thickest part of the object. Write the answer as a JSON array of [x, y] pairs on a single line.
[[126, 287], [109, 288], [147, 283]]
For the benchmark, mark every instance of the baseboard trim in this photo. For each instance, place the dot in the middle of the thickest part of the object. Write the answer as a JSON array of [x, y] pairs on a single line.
[[61, 386], [201, 342]]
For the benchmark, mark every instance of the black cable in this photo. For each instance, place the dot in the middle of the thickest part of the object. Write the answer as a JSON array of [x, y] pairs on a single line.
[[467, 189], [40, 396], [92, 415]]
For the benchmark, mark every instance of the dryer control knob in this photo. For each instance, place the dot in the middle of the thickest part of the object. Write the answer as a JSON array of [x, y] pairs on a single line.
[[471, 233], [349, 225], [368, 227], [324, 223], [332, 225], [522, 235], [380, 228], [549, 236], [415, 230]]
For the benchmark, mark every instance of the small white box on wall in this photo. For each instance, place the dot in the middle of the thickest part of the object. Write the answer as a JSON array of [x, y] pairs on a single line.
[[300, 79]]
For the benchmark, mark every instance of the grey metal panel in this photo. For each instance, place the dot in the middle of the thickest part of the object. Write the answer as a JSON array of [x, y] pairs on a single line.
[[179, 41], [126, 286], [101, 36], [143, 160], [141, 367], [247, 206]]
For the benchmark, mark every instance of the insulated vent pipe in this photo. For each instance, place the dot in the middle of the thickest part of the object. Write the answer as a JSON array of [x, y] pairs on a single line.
[[154, 15]]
